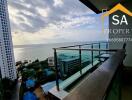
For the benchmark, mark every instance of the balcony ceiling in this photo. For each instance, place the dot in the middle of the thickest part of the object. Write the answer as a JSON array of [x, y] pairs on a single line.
[[98, 5]]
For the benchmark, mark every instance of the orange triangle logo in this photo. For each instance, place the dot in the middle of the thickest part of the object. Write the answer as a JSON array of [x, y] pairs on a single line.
[[119, 7]]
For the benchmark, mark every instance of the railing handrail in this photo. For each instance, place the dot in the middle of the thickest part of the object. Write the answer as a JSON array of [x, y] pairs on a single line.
[[111, 50], [81, 45], [80, 49]]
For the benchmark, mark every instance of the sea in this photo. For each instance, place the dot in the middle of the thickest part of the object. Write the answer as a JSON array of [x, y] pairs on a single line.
[[38, 51]]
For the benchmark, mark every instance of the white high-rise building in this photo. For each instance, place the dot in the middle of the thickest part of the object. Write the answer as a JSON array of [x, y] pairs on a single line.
[[7, 62]]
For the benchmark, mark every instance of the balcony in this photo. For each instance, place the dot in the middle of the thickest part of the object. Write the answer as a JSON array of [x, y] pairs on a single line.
[[87, 71]]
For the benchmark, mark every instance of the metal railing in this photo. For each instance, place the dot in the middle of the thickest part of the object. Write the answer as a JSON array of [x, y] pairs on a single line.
[[100, 47], [104, 82]]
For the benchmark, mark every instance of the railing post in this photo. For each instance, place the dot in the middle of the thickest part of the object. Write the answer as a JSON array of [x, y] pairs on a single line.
[[99, 51], [56, 67], [106, 46], [80, 59], [92, 53]]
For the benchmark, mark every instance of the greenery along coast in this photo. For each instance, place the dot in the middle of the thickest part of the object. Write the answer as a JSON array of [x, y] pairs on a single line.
[[38, 71]]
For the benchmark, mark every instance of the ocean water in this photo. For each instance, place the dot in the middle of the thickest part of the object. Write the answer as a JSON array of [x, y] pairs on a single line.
[[37, 51], [43, 51]]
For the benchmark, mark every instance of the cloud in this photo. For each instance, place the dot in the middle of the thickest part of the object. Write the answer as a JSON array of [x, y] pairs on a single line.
[[23, 38], [58, 3], [33, 16], [73, 22], [46, 21]]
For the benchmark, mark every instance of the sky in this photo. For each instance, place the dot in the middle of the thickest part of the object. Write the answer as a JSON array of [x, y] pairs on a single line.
[[53, 21]]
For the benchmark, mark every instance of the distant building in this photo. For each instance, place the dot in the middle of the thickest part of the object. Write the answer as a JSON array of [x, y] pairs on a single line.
[[51, 61], [69, 66], [7, 62]]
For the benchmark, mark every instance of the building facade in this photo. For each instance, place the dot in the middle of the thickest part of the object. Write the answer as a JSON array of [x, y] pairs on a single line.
[[69, 67], [7, 62]]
